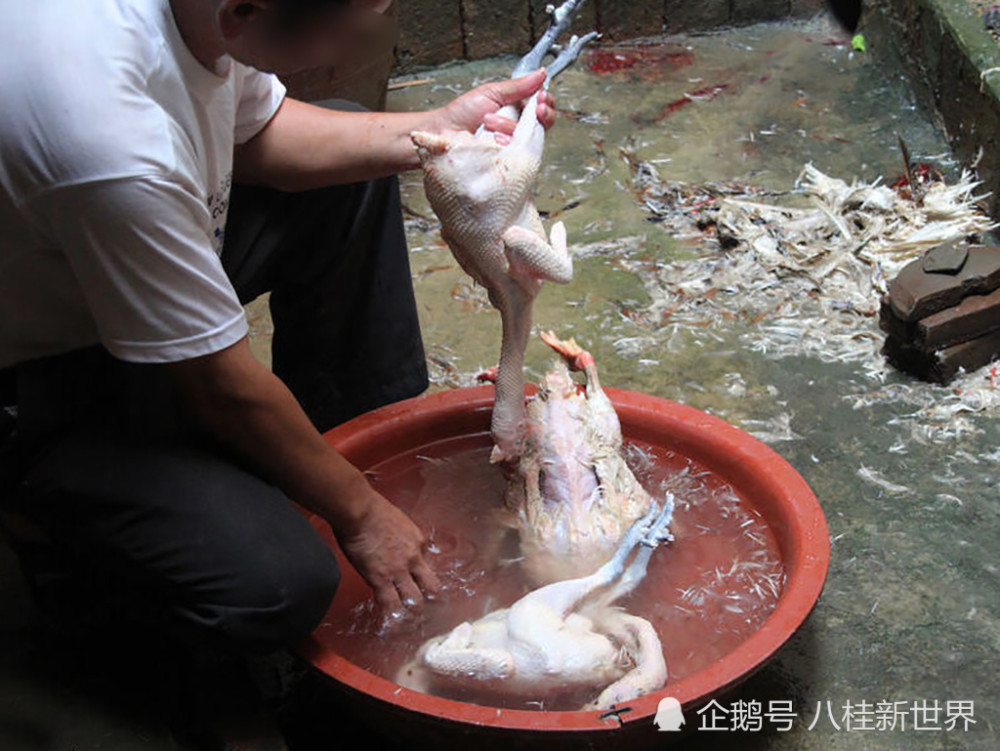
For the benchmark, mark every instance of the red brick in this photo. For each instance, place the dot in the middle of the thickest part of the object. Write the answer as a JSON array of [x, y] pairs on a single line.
[[752, 11], [493, 28], [683, 15], [430, 33]]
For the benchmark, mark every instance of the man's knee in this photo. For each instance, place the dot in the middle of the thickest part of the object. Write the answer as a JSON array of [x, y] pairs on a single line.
[[184, 532], [278, 604]]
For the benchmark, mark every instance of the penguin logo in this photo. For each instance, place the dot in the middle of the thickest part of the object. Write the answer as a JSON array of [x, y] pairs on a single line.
[[669, 716]]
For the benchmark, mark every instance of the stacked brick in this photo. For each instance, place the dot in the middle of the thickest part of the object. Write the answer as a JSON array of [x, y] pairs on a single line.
[[942, 313]]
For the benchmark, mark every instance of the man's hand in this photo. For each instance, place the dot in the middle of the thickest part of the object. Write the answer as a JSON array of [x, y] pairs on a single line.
[[244, 406], [480, 105], [387, 549], [305, 146]]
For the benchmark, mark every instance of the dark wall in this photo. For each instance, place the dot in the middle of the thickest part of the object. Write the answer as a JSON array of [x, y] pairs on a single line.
[[436, 31], [422, 33]]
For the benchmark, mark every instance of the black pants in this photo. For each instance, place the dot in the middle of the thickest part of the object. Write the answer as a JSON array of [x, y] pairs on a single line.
[[105, 481]]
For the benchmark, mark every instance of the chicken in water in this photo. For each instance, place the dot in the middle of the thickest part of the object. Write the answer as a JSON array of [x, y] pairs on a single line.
[[580, 513], [561, 638], [572, 494]]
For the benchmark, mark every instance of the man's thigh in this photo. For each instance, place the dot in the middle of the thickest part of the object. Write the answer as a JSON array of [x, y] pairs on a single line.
[[181, 531]]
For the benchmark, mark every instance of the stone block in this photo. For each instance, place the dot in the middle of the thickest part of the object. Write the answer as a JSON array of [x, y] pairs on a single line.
[[627, 20], [903, 16], [916, 294], [687, 16], [974, 316], [908, 39], [941, 366], [965, 110], [927, 50], [430, 32], [945, 48], [752, 11], [946, 98], [805, 8], [979, 116], [493, 28], [905, 11]]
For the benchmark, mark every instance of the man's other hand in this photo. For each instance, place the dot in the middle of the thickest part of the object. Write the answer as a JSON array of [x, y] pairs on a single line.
[[480, 106], [388, 549]]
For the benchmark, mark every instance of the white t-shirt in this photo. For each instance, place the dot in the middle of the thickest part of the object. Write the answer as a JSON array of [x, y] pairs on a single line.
[[116, 151]]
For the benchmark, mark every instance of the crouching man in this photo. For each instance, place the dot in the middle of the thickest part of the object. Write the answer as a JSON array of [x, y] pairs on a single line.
[[152, 180]]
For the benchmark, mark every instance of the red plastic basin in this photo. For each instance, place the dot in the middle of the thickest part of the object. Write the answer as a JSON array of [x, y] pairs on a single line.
[[756, 472]]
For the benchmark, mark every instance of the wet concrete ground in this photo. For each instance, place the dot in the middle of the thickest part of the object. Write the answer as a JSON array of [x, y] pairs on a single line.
[[909, 619]]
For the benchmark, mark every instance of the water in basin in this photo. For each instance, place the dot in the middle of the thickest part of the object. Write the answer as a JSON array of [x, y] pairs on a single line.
[[704, 594]]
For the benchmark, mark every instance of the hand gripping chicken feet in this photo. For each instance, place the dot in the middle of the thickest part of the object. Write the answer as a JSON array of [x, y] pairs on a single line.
[[482, 192], [564, 637]]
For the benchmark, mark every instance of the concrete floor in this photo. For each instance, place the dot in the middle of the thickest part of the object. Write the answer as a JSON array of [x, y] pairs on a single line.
[[910, 613]]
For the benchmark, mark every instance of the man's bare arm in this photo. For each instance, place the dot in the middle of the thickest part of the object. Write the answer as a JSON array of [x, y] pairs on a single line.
[[304, 146], [251, 412]]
